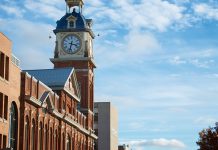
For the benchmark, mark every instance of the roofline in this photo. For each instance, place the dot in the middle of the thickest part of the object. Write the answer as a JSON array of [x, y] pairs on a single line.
[[78, 99], [40, 82], [48, 69], [73, 72], [5, 36], [76, 30]]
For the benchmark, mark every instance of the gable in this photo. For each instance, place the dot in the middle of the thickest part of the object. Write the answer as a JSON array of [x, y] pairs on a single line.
[[71, 18], [72, 86], [46, 101]]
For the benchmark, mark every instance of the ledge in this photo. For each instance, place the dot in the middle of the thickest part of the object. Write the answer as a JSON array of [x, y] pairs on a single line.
[[61, 116], [73, 59]]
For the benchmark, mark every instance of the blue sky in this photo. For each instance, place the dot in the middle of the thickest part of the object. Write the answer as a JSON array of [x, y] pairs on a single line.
[[157, 62]]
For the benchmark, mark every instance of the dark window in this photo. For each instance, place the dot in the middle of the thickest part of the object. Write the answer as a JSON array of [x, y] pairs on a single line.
[[71, 24], [2, 64], [4, 141], [68, 142], [40, 136], [13, 127], [6, 108], [46, 137], [55, 140], [1, 105], [33, 135], [63, 141], [0, 141], [7, 68], [51, 137], [27, 134], [72, 144]]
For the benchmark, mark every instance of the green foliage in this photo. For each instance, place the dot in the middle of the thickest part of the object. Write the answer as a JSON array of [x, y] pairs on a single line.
[[208, 138]]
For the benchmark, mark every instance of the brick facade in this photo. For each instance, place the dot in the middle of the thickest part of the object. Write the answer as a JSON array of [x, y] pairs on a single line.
[[37, 116], [9, 90], [44, 118]]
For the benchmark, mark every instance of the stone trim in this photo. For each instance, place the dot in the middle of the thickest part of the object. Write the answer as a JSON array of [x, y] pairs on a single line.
[[61, 116]]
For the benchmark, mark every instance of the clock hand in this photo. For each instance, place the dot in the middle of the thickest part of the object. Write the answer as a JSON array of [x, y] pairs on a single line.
[[71, 44], [76, 45]]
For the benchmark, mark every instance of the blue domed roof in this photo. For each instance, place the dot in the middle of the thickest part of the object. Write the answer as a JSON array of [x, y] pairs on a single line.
[[80, 21]]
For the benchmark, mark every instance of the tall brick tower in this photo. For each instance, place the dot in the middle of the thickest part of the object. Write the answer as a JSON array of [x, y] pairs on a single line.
[[74, 48]]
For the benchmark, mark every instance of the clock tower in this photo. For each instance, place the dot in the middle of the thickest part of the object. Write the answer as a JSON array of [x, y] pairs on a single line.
[[74, 48]]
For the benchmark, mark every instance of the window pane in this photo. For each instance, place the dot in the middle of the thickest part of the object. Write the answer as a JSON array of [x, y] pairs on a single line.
[[0, 141], [1, 105], [46, 137], [51, 135], [4, 141], [63, 141], [40, 136], [7, 69], [55, 137], [2, 64], [33, 135], [71, 23], [13, 127], [6, 108], [27, 134]]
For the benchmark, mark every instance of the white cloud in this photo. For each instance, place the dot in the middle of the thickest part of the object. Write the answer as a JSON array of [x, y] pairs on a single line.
[[173, 143], [15, 11], [177, 60], [31, 43], [206, 11], [136, 46], [95, 3], [148, 14], [202, 64], [44, 9], [196, 58], [139, 43]]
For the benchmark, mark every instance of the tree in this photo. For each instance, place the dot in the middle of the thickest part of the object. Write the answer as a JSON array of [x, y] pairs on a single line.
[[208, 138]]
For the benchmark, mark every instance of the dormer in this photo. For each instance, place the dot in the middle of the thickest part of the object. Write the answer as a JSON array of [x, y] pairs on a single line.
[[71, 22]]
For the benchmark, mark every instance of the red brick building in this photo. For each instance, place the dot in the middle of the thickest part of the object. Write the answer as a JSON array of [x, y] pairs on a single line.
[[51, 109]]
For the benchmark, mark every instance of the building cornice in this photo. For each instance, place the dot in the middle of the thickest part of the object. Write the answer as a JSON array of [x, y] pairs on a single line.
[[90, 59], [65, 118], [76, 30]]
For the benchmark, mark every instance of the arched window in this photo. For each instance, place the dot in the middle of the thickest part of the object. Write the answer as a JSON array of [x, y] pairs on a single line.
[[73, 143], [33, 134], [51, 137], [63, 141], [27, 133], [46, 137], [13, 127], [40, 136], [55, 140], [68, 142]]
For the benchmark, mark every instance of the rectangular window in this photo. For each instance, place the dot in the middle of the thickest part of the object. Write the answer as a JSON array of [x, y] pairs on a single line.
[[72, 24], [1, 105], [6, 108], [0, 141], [4, 141], [7, 68], [2, 64]]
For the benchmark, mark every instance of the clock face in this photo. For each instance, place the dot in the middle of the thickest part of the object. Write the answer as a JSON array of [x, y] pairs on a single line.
[[71, 44]]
